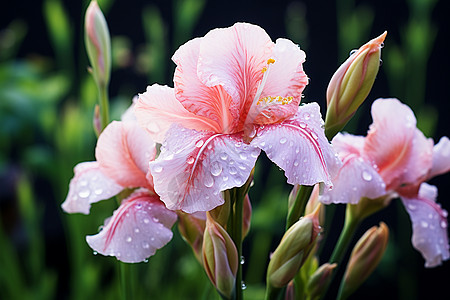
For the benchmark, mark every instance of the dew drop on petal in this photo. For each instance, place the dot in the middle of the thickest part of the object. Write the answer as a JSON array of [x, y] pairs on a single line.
[[296, 163], [199, 143], [233, 171], [443, 224], [190, 160], [225, 178], [84, 193], [424, 224], [136, 230], [98, 191], [243, 156], [138, 206], [209, 181], [157, 169], [169, 157], [366, 176], [262, 144], [145, 245], [146, 221], [411, 206], [223, 156], [283, 140], [216, 168], [155, 219], [302, 125], [129, 239]]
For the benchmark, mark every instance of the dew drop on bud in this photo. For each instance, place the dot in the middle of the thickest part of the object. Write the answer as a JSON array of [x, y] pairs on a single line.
[[353, 52]]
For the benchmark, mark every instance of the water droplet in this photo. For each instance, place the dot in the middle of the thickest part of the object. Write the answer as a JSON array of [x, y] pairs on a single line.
[[145, 245], [129, 239], [243, 156], [238, 181], [209, 181], [238, 144], [138, 206], [199, 143], [424, 224], [305, 160], [306, 116], [242, 167], [443, 224], [190, 160], [302, 125], [366, 176], [252, 133], [382, 45], [353, 52], [243, 285], [136, 230], [411, 206], [296, 163], [283, 140], [254, 154], [381, 62], [169, 157], [146, 260], [216, 168], [262, 144], [233, 171], [84, 193], [157, 169], [83, 183], [242, 260], [155, 219], [223, 156], [354, 188], [95, 252], [98, 191], [146, 221]]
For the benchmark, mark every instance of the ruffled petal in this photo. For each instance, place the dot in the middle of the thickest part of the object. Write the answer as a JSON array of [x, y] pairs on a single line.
[[399, 151], [123, 151], [286, 78], [157, 109], [210, 102], [140, 226], [234, 57], [356, 179], [346, 144], [194, 167], [300, 148], [441, 157], [89, 185], [429, 223]]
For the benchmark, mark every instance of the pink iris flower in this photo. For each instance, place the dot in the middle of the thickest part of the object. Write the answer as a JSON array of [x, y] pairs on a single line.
[[395, 159], [142, 224], [236, 92]]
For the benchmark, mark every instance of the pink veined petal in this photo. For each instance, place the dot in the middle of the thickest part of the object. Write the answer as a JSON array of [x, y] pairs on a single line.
[[429, 223], [123, 152], [128, 115], [286, 78], [356, 179], [389, 141], [346, 144], [441, 157], [210, 102], [89, 185], [234, 58], [157, 109], [194, 167], [300, 148], [140, 226]]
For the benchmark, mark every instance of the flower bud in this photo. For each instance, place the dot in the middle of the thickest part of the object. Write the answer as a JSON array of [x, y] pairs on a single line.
[[319, 281], [220, 257], [313, 203], [364, 258], [293, 250], [247, 216], [366, 207], [351, 84], [98, 44], [192, 227]]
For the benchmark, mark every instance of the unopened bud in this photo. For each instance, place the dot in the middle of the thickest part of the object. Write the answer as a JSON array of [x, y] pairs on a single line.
[[364, 258], [220, 257], [366, 207], [293, 250], [192, 227], [319, 281], [313, 203], [247, 216], [98, 44], [350, 85]]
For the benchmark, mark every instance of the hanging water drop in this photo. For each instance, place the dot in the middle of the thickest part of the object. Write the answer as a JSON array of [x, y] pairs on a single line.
[[353, 52], [242, 260], [243, 285], [366, 176], [95, 252]]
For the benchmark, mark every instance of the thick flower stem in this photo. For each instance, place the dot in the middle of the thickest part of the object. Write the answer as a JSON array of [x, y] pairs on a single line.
[[298, 207], [237, 238], [126, 281], [104, 104]]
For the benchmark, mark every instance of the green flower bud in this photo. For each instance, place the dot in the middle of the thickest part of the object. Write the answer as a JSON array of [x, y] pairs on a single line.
[[98, 44], [350, 85], [364, 258], [220, 257], [293, 250]]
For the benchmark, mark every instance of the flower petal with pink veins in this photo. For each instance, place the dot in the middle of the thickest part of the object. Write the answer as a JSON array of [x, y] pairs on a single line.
[[346, 144], [157, 109], [441, 157], [194, 167], [234, 58], [286, 78], [356, 179], [210, 102], [299, 146], [140, 226], [123, 151], [429, 223], [393, 141], [89, 185]]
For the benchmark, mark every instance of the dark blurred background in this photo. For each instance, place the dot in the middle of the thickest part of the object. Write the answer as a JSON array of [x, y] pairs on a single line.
[[46, 108]]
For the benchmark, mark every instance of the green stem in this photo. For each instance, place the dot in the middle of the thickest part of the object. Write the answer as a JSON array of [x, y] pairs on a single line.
[[126, 281], [298, 208], [104, 104], [237, 238]]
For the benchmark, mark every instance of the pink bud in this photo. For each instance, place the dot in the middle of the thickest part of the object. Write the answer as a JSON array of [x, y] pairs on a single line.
[[192, 227]]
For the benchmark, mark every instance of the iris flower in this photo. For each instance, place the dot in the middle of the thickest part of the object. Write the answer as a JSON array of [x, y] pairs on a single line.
[[395, 159], [142, 224], [235, 92]]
